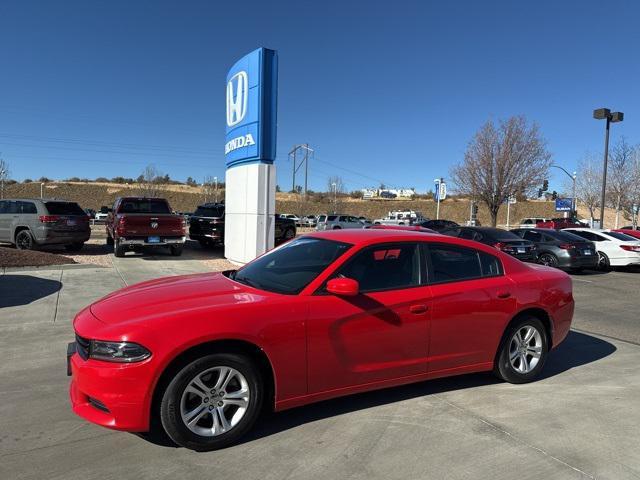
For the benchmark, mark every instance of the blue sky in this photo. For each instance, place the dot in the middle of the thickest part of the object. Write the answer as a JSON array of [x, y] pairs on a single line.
[[384, 91]]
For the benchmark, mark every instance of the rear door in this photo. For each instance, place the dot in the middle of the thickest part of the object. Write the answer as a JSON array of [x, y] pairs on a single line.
[[380, 334], [472, 303]]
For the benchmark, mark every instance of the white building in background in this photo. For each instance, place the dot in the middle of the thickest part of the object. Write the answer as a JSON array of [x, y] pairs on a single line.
[[370, 193]]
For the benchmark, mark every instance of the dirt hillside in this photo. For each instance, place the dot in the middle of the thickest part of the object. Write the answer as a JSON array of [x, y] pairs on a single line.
[[185, 199]]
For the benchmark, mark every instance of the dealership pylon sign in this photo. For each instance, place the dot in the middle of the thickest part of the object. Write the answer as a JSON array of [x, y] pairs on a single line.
[[250, 149]]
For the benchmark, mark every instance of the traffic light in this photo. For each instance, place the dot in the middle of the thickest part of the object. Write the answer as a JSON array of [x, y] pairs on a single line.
[[545, 185], [554, 195], [539, 192], [475, 209]]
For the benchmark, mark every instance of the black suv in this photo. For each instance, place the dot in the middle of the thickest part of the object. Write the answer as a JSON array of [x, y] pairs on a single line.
[[206, 225]]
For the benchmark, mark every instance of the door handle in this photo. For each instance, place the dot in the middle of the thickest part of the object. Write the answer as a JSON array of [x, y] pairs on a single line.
[[504, 294], [418, 309]]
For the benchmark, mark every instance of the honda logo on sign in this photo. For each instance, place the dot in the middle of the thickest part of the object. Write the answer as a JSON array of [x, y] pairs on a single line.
[[237, 93]]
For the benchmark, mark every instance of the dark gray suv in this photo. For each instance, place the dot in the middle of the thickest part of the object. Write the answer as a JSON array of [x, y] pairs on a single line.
[[28, 223]]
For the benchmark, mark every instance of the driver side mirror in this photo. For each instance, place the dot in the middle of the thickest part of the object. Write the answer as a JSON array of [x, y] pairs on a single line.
[[344, 287]]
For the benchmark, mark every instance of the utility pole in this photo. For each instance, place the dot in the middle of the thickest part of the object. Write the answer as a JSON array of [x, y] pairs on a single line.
[[308, 152], [335, 196]]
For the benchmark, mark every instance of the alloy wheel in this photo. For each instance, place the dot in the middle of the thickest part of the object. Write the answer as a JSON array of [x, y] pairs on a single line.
[[548, 260], [525, 349], [214, 401], [24, 241], [603, 261]]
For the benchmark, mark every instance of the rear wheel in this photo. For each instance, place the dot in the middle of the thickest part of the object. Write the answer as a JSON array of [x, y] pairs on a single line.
[[24, 240], [212, 402], [337, 227], [289, 233], [548, 259], [109, 239], [523, 351], [118, 249]]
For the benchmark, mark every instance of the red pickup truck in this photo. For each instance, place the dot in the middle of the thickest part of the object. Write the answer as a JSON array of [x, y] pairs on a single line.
[[138, 222]]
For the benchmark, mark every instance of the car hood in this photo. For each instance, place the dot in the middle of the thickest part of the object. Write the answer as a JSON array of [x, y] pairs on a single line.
[[173, 296]]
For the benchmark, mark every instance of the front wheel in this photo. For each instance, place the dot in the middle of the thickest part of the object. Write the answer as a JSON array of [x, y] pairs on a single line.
[[523, 351], [212, 402], [548, 259], [603, 262]]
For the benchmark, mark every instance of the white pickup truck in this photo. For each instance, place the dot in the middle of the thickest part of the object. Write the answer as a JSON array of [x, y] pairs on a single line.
[[406, 217]]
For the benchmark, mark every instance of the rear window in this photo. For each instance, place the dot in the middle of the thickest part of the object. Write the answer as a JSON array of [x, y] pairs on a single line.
[[216, 212], [622, 236], [144, 205], [64, 208], [503, 235], [564, 236]]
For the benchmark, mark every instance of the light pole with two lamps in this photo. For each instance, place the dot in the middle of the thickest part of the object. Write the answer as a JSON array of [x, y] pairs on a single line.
[[605, 114]]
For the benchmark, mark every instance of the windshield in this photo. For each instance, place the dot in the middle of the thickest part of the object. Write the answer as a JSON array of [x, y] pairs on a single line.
[[215, 212], [144, 205], [503, 235], [291, 267], [622, 236], [64, 208]]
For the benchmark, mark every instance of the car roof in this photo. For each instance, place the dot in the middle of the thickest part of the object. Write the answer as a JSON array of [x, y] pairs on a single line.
[[37, 200]]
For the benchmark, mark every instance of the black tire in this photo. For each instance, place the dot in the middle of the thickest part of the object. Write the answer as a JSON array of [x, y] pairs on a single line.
[[109, 240], [74, 247], [176, 250], [508, 370], [337, 227], [118, 250], [204, 243], [548, 259], [289, 233], [24, 240], [170, 406], [603, 262]]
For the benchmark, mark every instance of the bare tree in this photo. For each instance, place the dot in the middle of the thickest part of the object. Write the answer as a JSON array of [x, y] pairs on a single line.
[[4, 175], [633, 194], [501, 161], [619, 175], [589, 183], [211, 189], [149, 182]]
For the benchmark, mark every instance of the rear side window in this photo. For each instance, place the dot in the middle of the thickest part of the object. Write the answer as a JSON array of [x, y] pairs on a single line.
[[332, 218], [451, 263], [63, 208], [215, 212], [144, 205], [385, 267], [621, 236], [28, 207], [533, 236]]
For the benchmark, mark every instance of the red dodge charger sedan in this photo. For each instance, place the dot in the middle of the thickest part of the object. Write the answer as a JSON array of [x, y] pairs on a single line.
[[325, 315]]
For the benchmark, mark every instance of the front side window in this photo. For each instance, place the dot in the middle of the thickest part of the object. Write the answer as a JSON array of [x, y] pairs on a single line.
[[450, 263], [384, 267], [291, 267]]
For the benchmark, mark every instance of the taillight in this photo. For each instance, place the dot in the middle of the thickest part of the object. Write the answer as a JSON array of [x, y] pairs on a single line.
[[49, 218], [120, 226], [505, 247], [631, 248], [566, 246]]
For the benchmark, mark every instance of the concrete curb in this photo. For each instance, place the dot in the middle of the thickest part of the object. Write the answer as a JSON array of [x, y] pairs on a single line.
[[70, 266]]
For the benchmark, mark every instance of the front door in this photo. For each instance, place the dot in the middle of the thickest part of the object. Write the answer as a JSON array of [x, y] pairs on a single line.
[[378, 335]]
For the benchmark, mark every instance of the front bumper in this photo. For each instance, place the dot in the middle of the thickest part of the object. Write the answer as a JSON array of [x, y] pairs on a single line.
[[112, 395]]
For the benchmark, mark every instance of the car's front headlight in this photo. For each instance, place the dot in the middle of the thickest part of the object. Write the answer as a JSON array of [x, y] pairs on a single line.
[[122, 352]]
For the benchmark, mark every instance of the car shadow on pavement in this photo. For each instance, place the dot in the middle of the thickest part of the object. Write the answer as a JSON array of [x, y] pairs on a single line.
[[578, 349], [16, 290]]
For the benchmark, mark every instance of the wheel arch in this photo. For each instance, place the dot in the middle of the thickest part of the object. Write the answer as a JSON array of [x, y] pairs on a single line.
[[242, 347], [19, 229], [537, 312]]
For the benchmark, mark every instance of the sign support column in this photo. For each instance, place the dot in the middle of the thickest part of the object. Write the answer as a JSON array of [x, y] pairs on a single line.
[[250, 151]]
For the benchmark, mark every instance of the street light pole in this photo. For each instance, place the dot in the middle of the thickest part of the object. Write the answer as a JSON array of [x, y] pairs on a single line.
[[574, 200], [335, 196], [41, 190], [605, 114], [215, 181]]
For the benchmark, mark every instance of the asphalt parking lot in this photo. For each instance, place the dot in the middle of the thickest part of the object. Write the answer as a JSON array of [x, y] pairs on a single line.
[[579, 421]]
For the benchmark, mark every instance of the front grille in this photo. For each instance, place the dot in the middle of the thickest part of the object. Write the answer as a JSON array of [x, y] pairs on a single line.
[[82, 347]]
